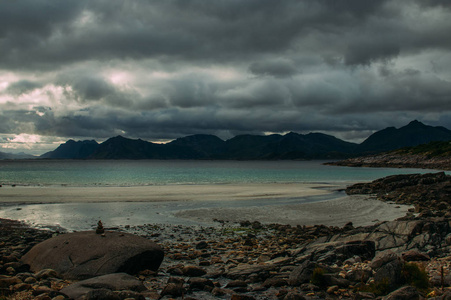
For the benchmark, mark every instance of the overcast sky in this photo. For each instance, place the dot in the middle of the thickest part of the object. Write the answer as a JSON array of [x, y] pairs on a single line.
[[159, 70]]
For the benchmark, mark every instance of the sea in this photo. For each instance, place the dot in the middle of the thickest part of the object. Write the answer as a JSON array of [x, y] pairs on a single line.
[[130, 173], [79, 173]]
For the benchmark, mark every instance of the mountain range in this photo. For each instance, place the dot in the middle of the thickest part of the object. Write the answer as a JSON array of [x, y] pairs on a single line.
[[4, 155], [252, 147]]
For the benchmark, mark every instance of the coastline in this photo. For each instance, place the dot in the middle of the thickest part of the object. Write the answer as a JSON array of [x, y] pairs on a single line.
[[79, 208], [155, 193]]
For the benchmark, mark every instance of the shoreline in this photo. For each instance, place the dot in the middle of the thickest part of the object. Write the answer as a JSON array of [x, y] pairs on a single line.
[[77, 208], [360, 210], [158, 193]]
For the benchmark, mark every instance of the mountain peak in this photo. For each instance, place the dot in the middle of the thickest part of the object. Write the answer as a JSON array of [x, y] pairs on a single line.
[[413, 134], [415, 123]]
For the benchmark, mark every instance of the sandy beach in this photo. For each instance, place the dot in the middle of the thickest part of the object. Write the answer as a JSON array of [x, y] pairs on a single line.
[[295, 204], [151, 193], [360, 210]]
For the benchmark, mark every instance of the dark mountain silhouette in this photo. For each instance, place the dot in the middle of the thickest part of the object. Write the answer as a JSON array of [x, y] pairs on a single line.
[[252, 147], [203, 145], [413, 134], [73, 150], [123, 148]]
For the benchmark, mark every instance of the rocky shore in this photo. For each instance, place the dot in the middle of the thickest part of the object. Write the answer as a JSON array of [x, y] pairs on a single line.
[[396, 160], [408, 258]]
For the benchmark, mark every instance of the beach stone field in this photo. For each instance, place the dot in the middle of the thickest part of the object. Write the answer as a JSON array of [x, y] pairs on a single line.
[[408, 258]]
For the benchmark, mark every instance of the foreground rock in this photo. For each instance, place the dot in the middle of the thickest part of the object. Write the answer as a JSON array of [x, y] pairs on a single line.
[[82, 255], [111, 282], [271, 261]]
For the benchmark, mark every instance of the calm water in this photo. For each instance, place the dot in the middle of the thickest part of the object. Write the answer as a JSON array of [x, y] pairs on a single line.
[[155, 172], [82, 216]]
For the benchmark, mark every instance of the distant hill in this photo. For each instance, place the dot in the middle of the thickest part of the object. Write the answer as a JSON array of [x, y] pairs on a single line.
[[413, 134], [434, 155], [4, 155], [430, 150], [252, 147]]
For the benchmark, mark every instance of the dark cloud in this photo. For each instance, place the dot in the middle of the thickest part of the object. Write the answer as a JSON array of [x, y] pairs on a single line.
[[22, 86], [44, 33], [163, 69], [275, 67]]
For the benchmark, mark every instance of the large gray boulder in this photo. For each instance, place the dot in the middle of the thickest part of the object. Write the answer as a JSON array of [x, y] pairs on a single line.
[[82, 255]]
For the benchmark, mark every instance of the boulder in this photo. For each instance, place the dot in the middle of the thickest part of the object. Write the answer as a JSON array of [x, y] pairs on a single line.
[[404, 293], [302, 273], [82, 255], [413, 255], [387, 267], [111, 282], [337, 252]]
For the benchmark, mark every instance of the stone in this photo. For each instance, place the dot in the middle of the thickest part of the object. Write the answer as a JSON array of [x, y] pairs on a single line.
[[332, 289], [448, 239], [47, 273], [217, 292], [332, 279], [387, 266], [404, 293], [112, 282], [82, 255], [21, 287], [100, 229], [241, 297], [198, 283], [173, 289], [7, 281], [302, 273], [364, 295], [275, 282], [245, 270], [193, 271], [359, 275], [236, 283], [338, 251], [101, 294], [202, 245], [293, 296], [413, 255], [30, 280], [130, 295]]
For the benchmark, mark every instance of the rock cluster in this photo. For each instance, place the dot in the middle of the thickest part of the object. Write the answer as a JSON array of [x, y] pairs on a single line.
[[431, 191], [257, 261], [393, 160]]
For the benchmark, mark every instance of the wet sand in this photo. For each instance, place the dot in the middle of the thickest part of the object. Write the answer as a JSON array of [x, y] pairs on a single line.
[[79, 208], [360, 210], [207, 192]]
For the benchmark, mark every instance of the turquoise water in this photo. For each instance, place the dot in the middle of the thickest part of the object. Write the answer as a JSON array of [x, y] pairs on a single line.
[[155, 172], [82, 216]]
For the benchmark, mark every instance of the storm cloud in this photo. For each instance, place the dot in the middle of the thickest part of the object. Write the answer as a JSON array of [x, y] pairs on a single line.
[[159, 70]]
